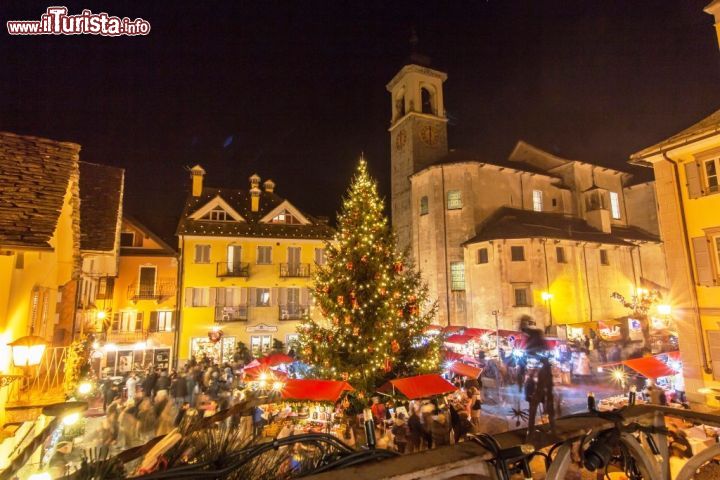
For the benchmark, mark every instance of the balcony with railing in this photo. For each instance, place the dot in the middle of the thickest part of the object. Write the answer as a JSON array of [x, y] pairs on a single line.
[[233, 269], [125, 336], [162, 290], [231, 314], [294, 270], [293, 311]]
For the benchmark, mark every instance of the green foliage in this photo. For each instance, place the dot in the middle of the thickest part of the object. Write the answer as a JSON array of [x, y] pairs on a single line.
[[374, 305], [76, 363]]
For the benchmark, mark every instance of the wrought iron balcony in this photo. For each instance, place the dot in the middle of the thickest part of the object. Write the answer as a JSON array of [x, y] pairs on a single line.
[[293, 311], [231, 314], [162, 290], [294, 270], [233, 269]]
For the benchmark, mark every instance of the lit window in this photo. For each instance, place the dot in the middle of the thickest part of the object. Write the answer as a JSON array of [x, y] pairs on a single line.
[[711, 174], [424, 205], [128, 321], [454, 200], [260, 344], [482, 255], [202, 253], [200, 297], [457, 276], [517, 254], [217, 214], [320, 256], [262, 297], [164, 321], [285, 217], [615, 205], [537, 200], [604, 259], [560, 253], [522, 296], [264, 255]]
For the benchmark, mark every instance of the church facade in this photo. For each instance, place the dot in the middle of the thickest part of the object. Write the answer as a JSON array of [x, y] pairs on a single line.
[[531, 234]]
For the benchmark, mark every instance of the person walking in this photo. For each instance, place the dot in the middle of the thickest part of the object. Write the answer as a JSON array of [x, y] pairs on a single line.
[[427, 411], [162, 384], [148, 384], [476, 408], [401, 432], [415, 430], [131, 386], [440, 430]]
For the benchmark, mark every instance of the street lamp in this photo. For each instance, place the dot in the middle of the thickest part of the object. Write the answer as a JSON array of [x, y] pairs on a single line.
[[664, 309], [28, 351]]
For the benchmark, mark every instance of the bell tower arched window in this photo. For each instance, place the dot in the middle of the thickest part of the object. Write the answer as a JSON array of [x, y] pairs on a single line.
[[427, 100]]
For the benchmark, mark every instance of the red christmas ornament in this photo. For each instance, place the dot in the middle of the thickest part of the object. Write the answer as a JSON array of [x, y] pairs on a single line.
[[354, 304], [335, 320], [356, 331], [341, 299], [398, 267], [348, 320], [388, 365], [349, 265], [394, 346], [364, 259]]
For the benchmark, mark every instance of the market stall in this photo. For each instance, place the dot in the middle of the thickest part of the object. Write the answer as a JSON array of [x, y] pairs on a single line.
[[419, 386], [464, 370]]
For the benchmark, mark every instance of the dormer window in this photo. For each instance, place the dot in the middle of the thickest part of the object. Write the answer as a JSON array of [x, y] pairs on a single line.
[[216, 215], [286, 217]]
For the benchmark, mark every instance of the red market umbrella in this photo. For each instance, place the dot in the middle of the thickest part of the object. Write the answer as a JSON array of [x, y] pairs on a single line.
[[420, 386], [459, 339], [650, 367], [465, 370], [314, 390], [276, 359]]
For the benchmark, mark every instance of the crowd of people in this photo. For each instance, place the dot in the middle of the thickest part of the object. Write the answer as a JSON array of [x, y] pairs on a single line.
[[154, 401]]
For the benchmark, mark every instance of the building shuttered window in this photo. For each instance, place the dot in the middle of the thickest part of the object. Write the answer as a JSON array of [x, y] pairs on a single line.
[[703, 262]]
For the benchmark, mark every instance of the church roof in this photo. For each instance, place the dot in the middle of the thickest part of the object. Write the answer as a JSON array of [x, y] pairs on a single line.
[[101, 192], [34, 177], [709, 124], [240, 201], [464, 156], [507, 223]]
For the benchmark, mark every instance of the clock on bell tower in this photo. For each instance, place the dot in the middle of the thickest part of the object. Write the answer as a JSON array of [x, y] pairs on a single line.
[[418, 135]]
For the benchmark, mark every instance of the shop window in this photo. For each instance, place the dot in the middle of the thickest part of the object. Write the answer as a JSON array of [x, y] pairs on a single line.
[[260, 344], [560, 253], [517, 253], [202, 253], [604, 258], [457, 276], [424, 205], [482, 255], [454, 200], [264, 255]]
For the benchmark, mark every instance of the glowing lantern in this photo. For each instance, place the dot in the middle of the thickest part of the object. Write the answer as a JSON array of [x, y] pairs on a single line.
[[28, 351]]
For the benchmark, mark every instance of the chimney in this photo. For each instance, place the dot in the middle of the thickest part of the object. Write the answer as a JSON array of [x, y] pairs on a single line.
[[196, 174], [714, 9], [269, 186], [255, 192]]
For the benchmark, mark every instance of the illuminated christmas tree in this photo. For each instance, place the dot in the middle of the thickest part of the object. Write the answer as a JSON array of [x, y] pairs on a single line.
[[374, 306]]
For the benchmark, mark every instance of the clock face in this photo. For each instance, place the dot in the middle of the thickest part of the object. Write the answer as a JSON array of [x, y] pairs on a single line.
[[429, 135], [400, 140]]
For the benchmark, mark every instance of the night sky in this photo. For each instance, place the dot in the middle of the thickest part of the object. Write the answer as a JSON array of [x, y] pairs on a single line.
[[296, 90]]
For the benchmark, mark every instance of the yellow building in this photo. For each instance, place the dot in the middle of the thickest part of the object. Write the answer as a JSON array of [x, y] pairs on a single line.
[[686, 168], [139, 315], [39, 239], [246, 257]]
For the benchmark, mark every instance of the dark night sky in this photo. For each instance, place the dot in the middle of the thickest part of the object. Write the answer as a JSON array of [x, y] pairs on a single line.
[[300, 86]]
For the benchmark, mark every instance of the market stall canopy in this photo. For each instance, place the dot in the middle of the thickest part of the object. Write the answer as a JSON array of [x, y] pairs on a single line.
[[474, 332], [459, 339], [276, 359], [420, 386], [452, 329], [452, 356], [256, 371], [314, 390], [465, 370], [649, 367]]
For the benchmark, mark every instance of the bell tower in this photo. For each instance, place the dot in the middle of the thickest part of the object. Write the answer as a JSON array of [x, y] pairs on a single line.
[[418, 133]]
